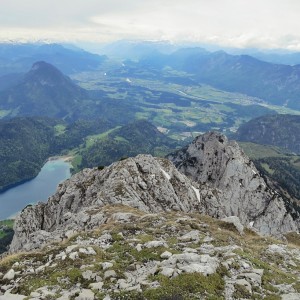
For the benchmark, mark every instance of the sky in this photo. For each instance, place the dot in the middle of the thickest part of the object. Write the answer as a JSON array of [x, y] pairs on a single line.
[[230, 23]]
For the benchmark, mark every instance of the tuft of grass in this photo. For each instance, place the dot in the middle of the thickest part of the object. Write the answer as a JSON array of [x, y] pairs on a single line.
[[144, 238], [188, 286], [272, 297], [296, 287], [293, 238], [228, 226], [70, 277], [240, 292], [8, 261]]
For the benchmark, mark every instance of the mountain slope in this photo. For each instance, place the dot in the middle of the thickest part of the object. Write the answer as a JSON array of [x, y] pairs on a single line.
[[137, 230], [43, 91], [271, 142], [277, 130], [24, 147], [143, 182], [288, 58], [25, 144]]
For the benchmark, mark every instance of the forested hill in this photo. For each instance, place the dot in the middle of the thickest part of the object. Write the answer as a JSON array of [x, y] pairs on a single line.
[[25, 144], [278, 130], [129, 140], [282, 168]]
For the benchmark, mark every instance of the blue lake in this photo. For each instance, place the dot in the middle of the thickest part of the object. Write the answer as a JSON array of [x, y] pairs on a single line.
[[35, 190]]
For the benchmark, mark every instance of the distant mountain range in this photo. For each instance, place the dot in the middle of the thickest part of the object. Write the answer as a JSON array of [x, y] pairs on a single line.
[[278, 58], [45, 91], [18, 58], [136, 49], [274, 83], [139, 49]]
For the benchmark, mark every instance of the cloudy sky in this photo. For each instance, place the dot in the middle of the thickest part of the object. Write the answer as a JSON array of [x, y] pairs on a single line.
[[237, 23]]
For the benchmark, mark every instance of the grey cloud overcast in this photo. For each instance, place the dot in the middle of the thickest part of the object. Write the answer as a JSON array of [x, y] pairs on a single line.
[[238, 23]]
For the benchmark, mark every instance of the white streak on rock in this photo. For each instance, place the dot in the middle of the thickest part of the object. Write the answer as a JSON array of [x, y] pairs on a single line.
[[166, 174], [197, 192]]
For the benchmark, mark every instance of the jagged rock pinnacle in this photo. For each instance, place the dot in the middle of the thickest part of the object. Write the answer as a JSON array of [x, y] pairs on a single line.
[[231, 185]]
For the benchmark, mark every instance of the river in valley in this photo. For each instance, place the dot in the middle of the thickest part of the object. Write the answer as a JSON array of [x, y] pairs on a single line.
[[38, 189]]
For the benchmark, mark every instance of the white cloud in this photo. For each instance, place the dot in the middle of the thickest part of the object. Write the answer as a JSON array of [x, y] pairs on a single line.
[[239, 23]]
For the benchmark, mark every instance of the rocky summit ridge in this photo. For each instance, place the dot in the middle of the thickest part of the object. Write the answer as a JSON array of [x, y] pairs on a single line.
[[140, 229], [230, 184], [219, 180]]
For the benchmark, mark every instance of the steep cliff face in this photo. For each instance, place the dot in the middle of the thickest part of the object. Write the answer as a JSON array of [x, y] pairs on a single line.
[[234, 185], [220, 181]]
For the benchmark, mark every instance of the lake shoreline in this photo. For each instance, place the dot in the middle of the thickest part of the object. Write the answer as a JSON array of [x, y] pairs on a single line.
[[65, 158], [37, 189], [13, 185]]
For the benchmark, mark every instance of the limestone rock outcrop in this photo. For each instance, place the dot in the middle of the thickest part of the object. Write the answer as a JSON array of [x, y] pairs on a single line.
[[213, 176], [143, 182], [230, 184]]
